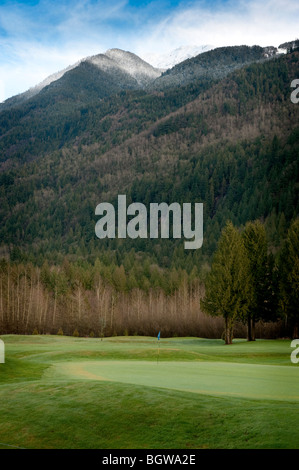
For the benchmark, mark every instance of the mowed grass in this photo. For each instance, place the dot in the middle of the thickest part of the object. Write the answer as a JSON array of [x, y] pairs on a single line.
[[133, 392]]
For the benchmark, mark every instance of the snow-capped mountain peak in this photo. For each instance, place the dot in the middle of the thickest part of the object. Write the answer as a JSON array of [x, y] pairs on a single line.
[[111, 60], [174, 57], [127, 62]]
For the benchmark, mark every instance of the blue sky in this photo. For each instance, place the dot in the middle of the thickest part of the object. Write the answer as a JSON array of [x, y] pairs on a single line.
[[40, 37]]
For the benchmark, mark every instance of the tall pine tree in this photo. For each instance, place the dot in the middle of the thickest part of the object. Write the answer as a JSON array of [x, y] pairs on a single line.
[[289, 277], [228, 285], [255, 242]]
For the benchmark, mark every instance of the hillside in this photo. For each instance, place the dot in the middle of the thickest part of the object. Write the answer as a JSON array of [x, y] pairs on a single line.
[[213, 64], [231, 144], [95, 77]]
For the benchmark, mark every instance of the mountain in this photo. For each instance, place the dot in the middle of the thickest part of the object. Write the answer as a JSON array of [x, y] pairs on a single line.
[[50, 117], [116, 60], [174, 57], [213, 64], [105, 73], [231, 142]]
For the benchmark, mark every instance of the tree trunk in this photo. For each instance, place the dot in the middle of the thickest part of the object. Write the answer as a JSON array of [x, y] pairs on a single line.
[[295, 331], [253, 329], [249, 331], [228, 332], [55, 302]]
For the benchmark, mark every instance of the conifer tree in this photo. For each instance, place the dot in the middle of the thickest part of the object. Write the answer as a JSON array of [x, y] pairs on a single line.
[[228, 284], [289, 277], [255, 242]]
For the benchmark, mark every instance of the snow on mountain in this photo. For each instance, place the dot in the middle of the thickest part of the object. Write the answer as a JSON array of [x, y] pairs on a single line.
[[113, 58], [127, 62], [142, 70], [174, 57]]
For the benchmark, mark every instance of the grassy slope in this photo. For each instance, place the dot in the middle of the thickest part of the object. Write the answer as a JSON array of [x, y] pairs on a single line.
[[52, 396]]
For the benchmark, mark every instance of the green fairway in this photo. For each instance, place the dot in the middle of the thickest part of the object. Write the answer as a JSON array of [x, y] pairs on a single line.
[[133, 392]]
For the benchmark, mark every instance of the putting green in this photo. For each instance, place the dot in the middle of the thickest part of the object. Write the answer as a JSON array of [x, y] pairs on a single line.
[[210, 378]]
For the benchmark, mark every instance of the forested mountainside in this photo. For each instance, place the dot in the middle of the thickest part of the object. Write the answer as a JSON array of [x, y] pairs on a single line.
[[232, 145], [214, 64]]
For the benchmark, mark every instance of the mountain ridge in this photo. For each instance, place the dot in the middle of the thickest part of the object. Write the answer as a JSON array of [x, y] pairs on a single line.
[[118, 61], [214, 64], [115, 61]]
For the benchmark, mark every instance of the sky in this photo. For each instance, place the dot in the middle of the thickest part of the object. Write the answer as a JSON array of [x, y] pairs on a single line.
[[41, 37]]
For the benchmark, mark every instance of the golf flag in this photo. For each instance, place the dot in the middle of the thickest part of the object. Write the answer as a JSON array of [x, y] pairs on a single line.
[[158, 336]]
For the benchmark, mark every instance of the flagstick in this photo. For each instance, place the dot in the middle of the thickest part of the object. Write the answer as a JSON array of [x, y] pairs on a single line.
[[158, 351], [158, 337]]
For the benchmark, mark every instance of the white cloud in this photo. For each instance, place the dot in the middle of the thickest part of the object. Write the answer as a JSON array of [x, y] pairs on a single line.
[[239, 22]]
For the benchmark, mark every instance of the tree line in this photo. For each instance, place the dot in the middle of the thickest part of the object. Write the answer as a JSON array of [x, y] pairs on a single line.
[[246, 292], [98, 300]]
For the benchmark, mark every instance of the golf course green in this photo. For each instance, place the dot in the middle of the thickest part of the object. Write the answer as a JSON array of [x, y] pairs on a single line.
[[136, 392]]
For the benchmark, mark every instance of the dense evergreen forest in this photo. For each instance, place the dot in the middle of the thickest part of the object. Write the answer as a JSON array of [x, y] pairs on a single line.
[[231, 143]]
